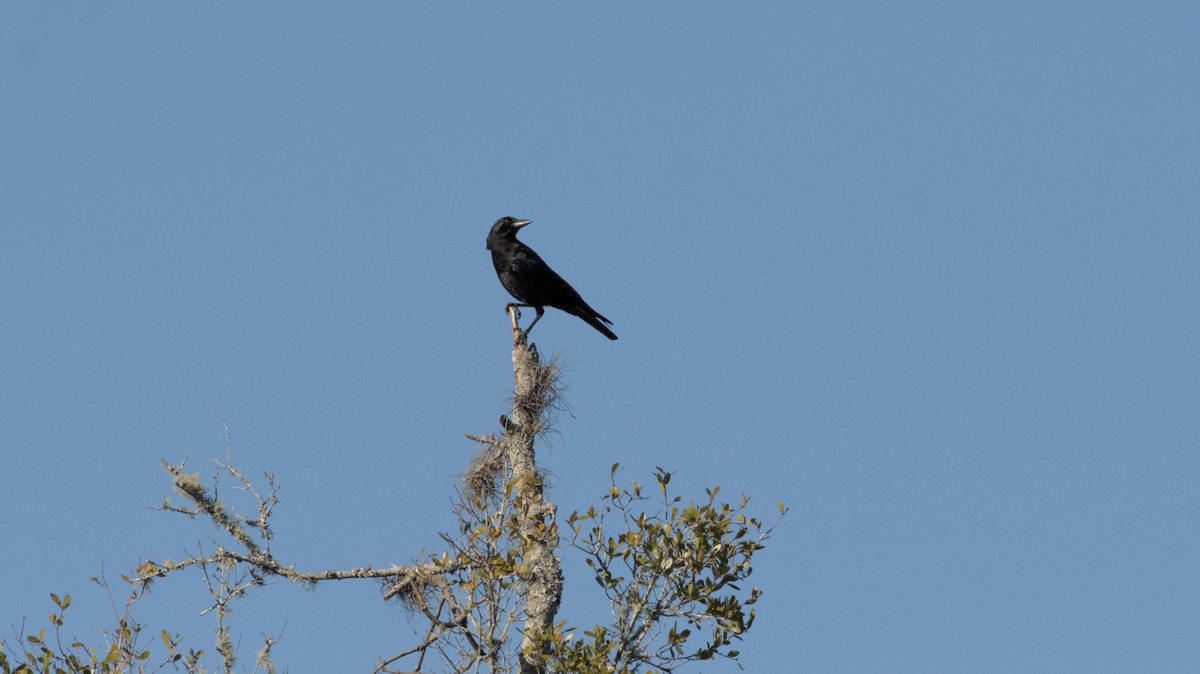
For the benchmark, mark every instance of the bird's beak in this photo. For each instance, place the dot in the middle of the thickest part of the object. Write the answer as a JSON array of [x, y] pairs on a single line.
[[521, 223]]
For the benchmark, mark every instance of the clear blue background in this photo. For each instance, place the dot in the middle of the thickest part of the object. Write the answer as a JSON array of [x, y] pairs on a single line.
[[928, 272]]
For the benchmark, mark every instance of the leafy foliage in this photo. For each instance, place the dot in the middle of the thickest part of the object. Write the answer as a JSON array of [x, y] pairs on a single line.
[[125, 650], [672, 575]]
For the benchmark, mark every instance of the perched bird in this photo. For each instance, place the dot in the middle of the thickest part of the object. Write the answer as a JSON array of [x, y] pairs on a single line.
[[527, 277]]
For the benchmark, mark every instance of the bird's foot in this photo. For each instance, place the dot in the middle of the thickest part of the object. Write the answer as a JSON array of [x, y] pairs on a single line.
[[515, 309]]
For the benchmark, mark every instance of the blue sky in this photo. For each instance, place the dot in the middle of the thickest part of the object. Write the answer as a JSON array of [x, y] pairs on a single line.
[[927, 272]]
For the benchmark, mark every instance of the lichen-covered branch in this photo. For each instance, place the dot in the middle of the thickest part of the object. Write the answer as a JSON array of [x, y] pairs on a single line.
[[541, 570]]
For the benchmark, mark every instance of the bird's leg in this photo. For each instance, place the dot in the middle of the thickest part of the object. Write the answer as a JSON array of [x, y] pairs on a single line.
[[514, 310], [514, 313], [540, 312]]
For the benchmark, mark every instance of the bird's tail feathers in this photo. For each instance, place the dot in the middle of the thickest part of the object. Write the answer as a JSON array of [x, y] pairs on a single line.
[[593, 319]]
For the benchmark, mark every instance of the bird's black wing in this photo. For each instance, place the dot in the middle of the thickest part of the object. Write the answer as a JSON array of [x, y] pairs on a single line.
[[528, 278]]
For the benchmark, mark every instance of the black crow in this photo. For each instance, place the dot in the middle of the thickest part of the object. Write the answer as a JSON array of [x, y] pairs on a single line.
[[527, 277]]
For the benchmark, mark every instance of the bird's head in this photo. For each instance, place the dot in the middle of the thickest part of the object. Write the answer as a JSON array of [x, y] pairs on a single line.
[[505, 228]]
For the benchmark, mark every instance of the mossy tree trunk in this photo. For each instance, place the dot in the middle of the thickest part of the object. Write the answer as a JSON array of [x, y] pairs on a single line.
[[541, 570]]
